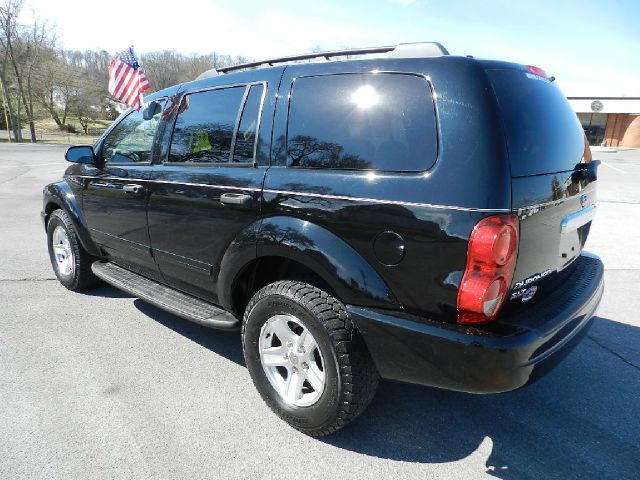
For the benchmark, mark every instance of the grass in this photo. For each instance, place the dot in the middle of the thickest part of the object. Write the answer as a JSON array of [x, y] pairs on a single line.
[[62, 139], [49, 126], [48, 132]]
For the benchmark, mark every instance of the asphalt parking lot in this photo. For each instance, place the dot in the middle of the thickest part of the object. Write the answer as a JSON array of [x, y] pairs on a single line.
[[103, 385]]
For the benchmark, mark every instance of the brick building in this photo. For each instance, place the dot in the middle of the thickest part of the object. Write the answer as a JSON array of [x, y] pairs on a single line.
[[609, 121]]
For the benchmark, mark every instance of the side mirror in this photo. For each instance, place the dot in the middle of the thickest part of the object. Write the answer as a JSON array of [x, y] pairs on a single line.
[[81, 154], [150, 110]]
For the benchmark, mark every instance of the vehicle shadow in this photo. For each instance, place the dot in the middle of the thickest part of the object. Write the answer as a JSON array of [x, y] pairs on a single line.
[[104, 290], [579, 421], [224, 343]]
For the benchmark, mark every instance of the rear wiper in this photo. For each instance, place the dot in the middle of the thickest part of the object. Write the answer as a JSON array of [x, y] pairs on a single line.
[[586, 171]]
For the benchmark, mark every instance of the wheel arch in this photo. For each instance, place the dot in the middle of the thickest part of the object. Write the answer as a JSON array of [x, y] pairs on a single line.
[[288, 248], [60, 196]]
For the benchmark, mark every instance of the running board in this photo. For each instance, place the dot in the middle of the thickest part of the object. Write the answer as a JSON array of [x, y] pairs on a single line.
[[166, 298]]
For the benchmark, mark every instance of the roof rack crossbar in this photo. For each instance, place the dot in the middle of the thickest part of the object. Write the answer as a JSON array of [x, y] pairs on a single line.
[[307, 56]]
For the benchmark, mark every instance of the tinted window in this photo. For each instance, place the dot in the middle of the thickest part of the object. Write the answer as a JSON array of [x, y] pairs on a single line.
[[246, 137], [543, 132], [131, 139], [205, 124], [370, 121]]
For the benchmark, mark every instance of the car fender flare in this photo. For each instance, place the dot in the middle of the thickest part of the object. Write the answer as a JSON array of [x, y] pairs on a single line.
[[240, 253], [64, 197], [351, 277]]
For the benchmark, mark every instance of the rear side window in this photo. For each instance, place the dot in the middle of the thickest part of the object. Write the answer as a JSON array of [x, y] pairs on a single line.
[[362, 121], [204, 127], [543, 132]]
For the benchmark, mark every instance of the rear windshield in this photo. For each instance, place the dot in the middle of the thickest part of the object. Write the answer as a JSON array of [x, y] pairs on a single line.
[[543, 132]]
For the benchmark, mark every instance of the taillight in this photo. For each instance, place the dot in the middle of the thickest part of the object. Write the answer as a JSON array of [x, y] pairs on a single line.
[[491, 260]]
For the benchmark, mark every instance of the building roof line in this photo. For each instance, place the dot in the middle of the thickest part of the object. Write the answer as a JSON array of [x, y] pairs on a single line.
[[603, 98]]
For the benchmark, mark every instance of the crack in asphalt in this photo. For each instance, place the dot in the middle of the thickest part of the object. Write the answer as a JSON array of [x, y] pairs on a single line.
[[31, 279], [614, 353], [15, 176]]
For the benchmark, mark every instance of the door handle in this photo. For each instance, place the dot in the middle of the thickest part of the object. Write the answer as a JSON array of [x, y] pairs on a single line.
[[132, 188], [241, 200]]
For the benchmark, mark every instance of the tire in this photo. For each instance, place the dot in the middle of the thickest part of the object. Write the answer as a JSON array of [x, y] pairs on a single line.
[[339, 380], [70, 261]]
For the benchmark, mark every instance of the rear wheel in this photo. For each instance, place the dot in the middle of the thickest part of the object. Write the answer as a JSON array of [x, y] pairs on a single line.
[[306, 357], [70, 261]]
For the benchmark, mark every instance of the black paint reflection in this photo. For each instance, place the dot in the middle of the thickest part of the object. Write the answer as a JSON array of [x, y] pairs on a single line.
[[313, 153]]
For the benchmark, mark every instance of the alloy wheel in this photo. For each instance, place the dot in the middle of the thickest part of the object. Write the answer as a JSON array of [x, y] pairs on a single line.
[[292, 360], [62, 251]]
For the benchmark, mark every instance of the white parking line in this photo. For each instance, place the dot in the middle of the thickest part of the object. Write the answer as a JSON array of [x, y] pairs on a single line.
[[17, 165], [614, 168]]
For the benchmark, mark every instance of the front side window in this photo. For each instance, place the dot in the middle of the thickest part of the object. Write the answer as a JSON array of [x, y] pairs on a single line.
[[204, 128], [362, 121], [131, 140]]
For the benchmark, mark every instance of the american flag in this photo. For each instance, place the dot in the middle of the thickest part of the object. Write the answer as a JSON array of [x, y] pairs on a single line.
[[127, 80]]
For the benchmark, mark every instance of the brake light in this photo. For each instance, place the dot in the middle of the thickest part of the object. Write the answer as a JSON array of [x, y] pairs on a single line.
[[491, 261], [537, 71]]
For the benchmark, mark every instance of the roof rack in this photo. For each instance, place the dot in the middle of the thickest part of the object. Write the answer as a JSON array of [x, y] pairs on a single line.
[[403, 50]]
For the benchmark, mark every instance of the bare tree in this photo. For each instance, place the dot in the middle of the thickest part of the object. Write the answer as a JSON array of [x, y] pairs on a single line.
[[15, 47], [168, 67], [8, 14], [36, 77], [53, 79], [85, 93], [83, 105], [75, 82], [38, 42], [24, 46]]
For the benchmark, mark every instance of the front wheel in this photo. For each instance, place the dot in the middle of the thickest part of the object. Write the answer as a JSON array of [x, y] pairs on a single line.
[[70, 261], [306, 357]]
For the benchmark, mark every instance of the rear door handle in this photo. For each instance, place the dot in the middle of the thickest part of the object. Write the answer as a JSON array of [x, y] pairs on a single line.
[[132, 188], [241, 200]]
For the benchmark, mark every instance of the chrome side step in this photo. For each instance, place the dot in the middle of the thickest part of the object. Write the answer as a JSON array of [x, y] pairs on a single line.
[[166, 298]]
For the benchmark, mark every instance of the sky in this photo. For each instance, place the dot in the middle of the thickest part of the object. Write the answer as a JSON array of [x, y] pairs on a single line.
[[591, 47]]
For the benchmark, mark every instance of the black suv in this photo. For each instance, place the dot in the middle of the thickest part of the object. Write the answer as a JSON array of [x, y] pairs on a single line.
[[410, 215]]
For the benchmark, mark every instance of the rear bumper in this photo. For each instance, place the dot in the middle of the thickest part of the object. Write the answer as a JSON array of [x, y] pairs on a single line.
[[411, 349]]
